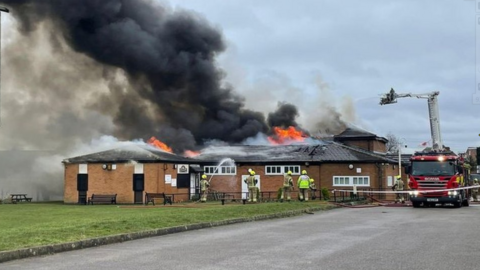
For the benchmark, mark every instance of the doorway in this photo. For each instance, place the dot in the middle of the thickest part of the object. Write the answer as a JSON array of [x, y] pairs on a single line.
[[82, 187], [138, 187]]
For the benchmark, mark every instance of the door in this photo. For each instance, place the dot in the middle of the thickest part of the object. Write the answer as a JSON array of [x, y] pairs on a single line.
[[194, 185], [245, 187], [82, 188], [138, 187]]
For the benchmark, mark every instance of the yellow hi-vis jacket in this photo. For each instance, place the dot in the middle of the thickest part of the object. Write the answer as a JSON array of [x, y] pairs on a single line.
[[459, 179], [303, 181]]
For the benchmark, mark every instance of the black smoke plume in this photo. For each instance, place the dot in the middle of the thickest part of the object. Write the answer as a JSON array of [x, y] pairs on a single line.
[[175, 88]]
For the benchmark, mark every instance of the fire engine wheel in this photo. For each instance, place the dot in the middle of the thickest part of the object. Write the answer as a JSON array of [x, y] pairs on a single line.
[[465, 203], [458, 204], [416, 204]]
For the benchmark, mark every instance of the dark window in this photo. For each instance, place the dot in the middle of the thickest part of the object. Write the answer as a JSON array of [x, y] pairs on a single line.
[[183, 180]]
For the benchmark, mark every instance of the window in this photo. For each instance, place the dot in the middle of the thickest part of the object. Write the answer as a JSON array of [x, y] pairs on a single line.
[[389, 181], [363, 181], [222, 170], [280, 170]]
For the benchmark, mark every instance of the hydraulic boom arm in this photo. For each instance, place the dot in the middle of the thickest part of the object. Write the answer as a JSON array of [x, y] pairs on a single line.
[[437, 143]]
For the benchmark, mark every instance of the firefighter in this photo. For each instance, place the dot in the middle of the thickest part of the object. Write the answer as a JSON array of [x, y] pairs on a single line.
[[303, 185], [398, 186], [251, 182], [475, 190], [287, 186], [204, 184], [313, 188]]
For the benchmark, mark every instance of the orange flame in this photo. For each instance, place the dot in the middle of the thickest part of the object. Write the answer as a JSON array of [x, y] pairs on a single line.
[[286, 136], [158, 144], [190, 153]]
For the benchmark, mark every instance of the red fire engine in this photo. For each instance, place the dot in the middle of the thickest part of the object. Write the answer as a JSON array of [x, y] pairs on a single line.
[[433, 176]]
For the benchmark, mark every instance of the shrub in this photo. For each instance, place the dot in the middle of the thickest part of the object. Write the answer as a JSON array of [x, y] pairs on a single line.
[[325, 194]]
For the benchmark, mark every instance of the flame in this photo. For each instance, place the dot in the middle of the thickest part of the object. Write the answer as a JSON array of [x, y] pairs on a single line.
[[190, 153], [158, 144], [286, 136]]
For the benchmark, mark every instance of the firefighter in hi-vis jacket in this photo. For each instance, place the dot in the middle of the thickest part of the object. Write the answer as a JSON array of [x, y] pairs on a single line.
[[251, 182], [287, 186], [303, 185], [398, 186], [475, 190], [204, 184]]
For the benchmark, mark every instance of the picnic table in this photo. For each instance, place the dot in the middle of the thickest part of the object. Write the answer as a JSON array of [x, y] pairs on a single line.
[[20, 197]]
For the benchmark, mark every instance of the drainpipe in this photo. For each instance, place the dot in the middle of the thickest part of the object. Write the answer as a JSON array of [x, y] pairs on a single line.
[[380, 177]]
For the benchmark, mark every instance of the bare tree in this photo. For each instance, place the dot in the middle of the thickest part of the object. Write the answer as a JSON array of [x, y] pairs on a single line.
[[393, 143]]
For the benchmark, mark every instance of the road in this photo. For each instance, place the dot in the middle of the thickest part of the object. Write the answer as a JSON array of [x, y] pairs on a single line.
[[368, 238]]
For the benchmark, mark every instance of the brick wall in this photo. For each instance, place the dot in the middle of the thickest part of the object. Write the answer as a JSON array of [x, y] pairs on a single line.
[[120, 181], [70, 194]]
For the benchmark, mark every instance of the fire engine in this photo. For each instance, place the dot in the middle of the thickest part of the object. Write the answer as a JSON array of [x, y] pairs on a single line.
[[435, 174]]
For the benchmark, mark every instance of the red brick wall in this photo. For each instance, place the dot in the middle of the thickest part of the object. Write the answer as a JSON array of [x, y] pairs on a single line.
[[120, 180], [369, 145], [70, 194], [360, 144], [379, 146]]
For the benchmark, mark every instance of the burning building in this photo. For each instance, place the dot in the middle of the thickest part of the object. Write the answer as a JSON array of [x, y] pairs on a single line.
[[136, 68], [351, 158]]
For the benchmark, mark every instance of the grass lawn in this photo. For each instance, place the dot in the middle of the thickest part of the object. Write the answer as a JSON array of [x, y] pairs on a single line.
[[35, 224]]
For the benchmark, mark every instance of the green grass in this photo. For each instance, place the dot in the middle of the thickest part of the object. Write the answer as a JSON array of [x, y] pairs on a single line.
[[35, 224]]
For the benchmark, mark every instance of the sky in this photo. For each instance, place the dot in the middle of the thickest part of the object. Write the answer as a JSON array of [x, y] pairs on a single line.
[[358, 50]]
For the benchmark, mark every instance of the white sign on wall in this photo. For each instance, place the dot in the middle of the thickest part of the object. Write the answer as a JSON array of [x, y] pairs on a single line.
[[138, 168], [174, 182], [168, 178], [82, 168], [182, 168]]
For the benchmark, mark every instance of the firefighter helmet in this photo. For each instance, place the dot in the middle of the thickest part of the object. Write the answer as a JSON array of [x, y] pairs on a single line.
[[311, 180], [304, 172], [204, 176], [289, 172], [252, 172], [399, 177], [475, 181]]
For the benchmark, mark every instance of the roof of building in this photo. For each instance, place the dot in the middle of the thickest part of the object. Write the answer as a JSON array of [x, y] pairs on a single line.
[[328, 152], [357, 134], [139, 153], [405, 157]]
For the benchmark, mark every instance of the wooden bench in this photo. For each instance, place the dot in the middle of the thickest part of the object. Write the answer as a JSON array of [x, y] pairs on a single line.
[[103, 198], [19, 198], [167, 198], [230, 197]]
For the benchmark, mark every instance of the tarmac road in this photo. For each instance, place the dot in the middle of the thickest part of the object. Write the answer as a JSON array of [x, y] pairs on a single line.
[[368, 238]]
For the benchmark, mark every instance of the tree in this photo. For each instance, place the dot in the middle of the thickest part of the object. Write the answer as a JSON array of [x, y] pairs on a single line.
[[471, 161], [393, 143]]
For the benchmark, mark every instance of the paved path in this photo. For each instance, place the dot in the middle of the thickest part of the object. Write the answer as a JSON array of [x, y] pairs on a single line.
[[368, 238]]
